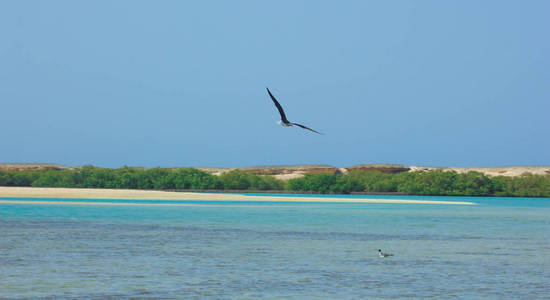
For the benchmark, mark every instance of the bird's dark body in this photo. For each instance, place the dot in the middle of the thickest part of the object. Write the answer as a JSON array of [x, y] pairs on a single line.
[[284, 120]]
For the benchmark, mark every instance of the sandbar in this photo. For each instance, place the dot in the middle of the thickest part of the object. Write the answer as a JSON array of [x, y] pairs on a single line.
[[75, 193]]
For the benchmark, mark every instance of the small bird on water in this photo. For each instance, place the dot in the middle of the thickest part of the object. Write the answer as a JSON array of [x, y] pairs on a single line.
[[382, 254]]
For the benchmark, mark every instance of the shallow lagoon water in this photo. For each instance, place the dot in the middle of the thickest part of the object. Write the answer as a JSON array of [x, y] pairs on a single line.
[[497, 249]]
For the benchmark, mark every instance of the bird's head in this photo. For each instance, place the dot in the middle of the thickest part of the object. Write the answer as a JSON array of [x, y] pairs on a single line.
[[280, 122]]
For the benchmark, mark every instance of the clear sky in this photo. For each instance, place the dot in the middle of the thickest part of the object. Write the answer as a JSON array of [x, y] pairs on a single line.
[[182, 83]]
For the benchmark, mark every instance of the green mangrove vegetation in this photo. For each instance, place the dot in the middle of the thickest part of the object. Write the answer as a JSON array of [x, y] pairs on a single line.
[[436, 182]]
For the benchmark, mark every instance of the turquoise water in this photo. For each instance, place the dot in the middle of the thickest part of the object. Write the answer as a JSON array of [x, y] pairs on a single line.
[[498, 249]]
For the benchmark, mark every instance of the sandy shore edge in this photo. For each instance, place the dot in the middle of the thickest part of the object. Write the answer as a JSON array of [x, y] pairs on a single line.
[[66, 193]]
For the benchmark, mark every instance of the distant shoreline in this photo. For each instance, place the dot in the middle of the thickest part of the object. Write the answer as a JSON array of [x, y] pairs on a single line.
[[286, 172], [77, 193], [357, 181], [319, 193], [282, 192]]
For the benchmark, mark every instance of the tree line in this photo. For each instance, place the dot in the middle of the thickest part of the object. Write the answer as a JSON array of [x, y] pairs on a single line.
[[435, 182], [139, 178]]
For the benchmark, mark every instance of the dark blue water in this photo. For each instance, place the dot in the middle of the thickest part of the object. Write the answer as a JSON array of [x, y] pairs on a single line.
[[498, 249]]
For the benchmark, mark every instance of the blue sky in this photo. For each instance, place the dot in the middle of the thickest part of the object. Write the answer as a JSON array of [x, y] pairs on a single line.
[[182, 83]]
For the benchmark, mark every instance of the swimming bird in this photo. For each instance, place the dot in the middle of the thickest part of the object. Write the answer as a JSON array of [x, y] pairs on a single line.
[[382, 254], [284, 122]]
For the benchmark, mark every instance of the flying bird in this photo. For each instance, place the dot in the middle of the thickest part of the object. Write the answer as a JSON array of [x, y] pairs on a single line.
[[382, 254], [284, 122]]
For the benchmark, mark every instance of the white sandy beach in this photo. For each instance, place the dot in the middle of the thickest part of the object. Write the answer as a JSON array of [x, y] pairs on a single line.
[[70, 193]]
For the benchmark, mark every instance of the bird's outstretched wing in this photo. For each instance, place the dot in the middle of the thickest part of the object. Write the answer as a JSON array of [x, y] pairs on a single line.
[[305, 127], [281, 111]]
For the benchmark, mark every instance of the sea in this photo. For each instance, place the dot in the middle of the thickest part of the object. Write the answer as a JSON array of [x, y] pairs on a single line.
[[497, 249]]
